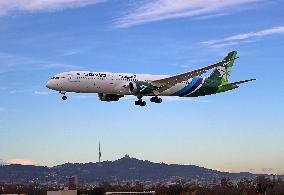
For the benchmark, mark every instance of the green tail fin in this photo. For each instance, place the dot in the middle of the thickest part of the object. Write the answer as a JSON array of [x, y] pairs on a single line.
[[223, 72]]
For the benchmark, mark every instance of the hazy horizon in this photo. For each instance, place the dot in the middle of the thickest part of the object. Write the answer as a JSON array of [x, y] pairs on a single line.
[[28, 163]]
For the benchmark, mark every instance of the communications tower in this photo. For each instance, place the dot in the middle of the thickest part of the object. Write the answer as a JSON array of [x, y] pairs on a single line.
[[100, 154]]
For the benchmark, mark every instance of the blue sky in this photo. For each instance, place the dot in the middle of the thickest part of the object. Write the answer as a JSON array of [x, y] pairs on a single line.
[[241, 130]]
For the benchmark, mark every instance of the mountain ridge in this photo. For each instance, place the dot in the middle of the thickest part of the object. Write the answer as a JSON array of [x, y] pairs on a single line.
[[126, 169]]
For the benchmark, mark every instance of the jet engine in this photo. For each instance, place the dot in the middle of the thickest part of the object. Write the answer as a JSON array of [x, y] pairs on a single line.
[[140, 88], [109, 97]]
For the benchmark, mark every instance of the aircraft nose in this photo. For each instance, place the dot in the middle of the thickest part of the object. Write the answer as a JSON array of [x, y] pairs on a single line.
[[49, 84]]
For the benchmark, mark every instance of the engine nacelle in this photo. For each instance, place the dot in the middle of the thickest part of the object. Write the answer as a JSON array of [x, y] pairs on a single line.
[[109, 97], [140, 88]]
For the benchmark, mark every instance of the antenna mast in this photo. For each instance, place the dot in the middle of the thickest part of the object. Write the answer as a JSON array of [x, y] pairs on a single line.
[[100, 154]]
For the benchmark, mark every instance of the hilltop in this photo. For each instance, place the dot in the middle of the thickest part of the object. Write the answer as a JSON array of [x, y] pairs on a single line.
[[123, 170]]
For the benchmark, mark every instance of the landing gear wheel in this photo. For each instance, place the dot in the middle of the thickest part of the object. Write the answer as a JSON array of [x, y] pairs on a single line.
[[64, 97], [140, 102], [143, 103], [156, 100]]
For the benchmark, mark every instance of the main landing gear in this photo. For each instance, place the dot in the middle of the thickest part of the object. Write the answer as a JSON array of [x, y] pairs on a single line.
[[140, 102], [156, 100]]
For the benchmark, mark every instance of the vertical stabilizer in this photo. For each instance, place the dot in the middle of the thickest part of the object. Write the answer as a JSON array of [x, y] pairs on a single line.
[[223, 72]]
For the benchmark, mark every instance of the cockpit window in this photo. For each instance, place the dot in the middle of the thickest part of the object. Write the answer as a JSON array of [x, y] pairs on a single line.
[[57, 77]]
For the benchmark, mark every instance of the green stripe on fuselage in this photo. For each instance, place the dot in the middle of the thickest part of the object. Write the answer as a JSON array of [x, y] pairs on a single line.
[[212, 86], [209, 87]]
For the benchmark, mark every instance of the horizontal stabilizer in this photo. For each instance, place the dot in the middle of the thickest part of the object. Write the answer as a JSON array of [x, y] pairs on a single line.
[[244, 81], [231, 86]]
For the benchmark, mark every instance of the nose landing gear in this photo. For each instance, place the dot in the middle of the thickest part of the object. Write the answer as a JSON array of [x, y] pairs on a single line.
[[64, 97]]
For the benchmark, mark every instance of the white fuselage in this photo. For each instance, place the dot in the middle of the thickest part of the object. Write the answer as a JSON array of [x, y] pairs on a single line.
[[105, 82]]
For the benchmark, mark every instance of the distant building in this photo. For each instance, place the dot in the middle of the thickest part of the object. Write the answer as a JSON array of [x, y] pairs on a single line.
[[130, 193], [273, 177], [66, 191], [72, 183], [13, 194]]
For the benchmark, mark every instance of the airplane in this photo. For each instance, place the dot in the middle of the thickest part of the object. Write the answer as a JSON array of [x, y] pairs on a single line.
[[113, 86]]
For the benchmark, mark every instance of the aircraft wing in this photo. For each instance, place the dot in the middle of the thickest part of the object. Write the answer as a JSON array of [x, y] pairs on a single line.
[[166, 83]]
